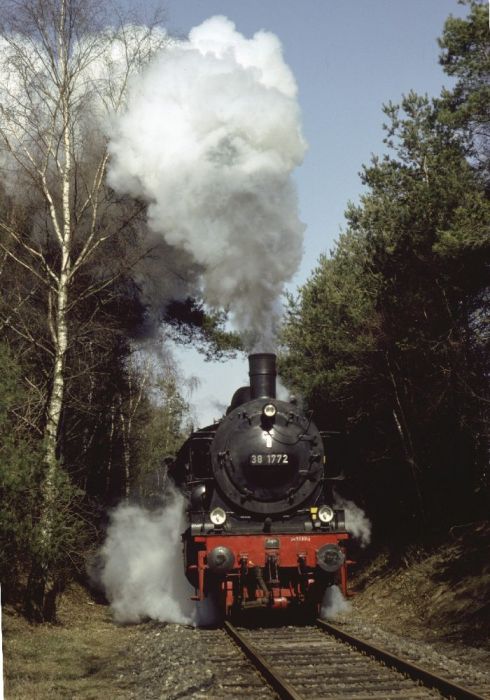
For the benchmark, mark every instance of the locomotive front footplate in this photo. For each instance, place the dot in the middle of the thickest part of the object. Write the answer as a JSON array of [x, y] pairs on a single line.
[[275, 571]]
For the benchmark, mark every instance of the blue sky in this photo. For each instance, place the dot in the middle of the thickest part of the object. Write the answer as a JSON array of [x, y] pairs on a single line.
[[349, 57]]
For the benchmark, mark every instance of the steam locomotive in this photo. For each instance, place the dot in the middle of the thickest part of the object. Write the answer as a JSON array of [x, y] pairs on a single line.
[[263, 529]]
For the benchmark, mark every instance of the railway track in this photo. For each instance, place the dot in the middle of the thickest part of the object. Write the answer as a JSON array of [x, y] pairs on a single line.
[[233, 675], [326, 663]]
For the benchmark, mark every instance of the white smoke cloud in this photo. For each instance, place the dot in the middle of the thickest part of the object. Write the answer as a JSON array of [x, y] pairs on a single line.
[[99, 63], [209, 138], [334, 604], [282, 392], [141, 564], [356, 520]]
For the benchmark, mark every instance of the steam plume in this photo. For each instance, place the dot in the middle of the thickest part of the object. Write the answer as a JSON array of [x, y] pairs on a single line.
[[142, 571], [210, 137], [333, 604], [356, 520]]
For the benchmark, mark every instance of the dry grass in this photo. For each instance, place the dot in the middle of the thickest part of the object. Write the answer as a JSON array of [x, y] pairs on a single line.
[[81, 657], [441, 594]]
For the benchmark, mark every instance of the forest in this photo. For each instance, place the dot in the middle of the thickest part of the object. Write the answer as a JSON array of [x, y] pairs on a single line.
[[387, 341]]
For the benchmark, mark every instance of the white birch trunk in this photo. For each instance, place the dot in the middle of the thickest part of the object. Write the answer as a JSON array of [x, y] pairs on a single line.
[[59, 321]]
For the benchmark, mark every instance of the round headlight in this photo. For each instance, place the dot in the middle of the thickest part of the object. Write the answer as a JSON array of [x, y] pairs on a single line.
[[269, 410], [325, 514], [217, 516]]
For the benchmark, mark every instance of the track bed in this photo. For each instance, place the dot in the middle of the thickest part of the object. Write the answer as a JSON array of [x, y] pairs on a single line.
[[304, 662]]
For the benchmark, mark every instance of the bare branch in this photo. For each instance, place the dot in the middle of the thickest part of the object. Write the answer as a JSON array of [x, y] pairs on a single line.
[[36, 253], [23, 264]]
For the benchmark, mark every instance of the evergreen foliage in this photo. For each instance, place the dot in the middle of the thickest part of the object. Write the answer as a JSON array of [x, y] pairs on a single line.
[[20, 474], [466, 57], [388, 338]]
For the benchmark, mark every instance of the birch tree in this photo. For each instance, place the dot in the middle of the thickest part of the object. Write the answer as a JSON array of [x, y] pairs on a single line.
[[64, 71]]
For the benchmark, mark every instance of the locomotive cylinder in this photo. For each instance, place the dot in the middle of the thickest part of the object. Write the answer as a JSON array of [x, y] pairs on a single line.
[[262, 375]]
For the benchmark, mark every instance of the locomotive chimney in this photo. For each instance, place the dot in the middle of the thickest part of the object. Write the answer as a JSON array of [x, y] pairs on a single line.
[[262, 375]]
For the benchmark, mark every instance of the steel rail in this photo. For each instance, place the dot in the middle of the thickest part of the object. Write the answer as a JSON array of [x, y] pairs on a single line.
[[274, 679], [416, 672]]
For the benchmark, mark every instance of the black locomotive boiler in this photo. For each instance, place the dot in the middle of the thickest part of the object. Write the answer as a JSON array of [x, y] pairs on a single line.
[[263, 529]]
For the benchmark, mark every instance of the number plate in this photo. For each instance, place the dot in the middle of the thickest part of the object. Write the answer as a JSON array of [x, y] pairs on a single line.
[[271, 458]]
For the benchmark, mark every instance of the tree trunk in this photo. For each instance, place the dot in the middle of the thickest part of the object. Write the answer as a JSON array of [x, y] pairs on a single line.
[[43, 586], [406, 439]]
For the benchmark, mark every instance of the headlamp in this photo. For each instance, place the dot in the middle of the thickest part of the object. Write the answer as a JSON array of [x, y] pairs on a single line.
[[269, 410], [217, 516], [325, 514]]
